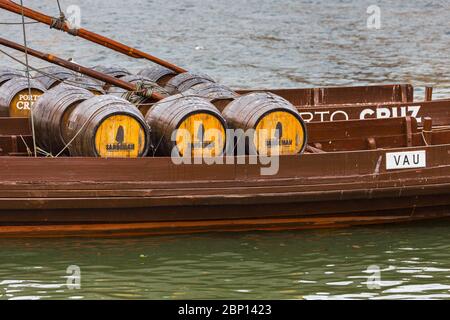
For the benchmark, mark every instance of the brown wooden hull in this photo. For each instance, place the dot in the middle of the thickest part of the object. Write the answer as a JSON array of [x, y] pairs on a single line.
[[117, 197], [345, 183]]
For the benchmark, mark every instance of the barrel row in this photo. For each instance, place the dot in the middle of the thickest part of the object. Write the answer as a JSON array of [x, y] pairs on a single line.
[[198, 117], [277, 125]]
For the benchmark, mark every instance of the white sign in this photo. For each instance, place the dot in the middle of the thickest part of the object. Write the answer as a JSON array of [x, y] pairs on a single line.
[[406, 160]]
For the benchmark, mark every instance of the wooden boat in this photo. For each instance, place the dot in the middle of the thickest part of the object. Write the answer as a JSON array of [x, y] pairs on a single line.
[[390, 172], [360, 171]]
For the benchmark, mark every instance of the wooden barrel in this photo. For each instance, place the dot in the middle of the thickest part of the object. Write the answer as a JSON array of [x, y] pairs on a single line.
[[195, 123], [142, 103], [95, 86], [7, 74], [116, 72], [159, 74], [53, 75], [278, 127], [15, 99], [51, 113], [217, 94], [108, 127], [137, 79], [185, 81]]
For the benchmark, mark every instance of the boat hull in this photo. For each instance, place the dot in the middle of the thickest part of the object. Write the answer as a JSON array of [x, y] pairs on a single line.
[[124, 197]]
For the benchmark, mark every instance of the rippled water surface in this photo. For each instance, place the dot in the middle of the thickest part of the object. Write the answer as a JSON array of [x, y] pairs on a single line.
[[263, 43], [413, 261], [254, 43]]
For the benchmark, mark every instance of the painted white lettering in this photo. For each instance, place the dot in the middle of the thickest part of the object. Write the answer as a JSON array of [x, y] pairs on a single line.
[[383, 113], [339, 112], [365, 113]]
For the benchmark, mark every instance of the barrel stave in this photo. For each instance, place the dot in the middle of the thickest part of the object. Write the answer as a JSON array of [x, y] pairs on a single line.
[[143, 103], [187, 115], [185, 81], [217, 94], [53, 75], [159, 74], [51, 113], [7, 74], [116, 72], [95, 86]]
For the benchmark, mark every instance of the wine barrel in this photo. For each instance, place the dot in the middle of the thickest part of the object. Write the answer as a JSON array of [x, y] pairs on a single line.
[[159, 74], [142, 103], [7, 74], [53, 75], [278, 127], [51, 113], [108, 127], [185, 81], [95, 86], [197, 125], [219, 95], [15, 99], [137, 79], [116, 72]]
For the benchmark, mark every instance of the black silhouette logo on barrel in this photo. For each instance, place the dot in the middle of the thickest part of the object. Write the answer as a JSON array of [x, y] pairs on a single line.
[[200, 142], [278, 138], [279, 131], [120, 144], [120, 136]]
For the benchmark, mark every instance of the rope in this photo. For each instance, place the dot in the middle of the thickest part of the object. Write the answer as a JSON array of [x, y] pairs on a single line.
[[17, 23], [78, 132], [59, 7], [26, 146], [28, 78], [61, 22]]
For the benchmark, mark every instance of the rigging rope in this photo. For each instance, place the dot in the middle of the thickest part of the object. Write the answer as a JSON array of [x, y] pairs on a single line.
[[61, 22], [18, 23], [28, 78]]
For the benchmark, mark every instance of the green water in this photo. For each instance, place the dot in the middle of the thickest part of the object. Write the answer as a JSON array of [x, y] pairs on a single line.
[[414, 262]]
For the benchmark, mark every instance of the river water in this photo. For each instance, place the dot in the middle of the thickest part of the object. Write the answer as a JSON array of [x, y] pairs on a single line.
[[249, 44]]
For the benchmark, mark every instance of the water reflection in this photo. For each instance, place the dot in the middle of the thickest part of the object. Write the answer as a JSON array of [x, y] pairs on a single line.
[[413, 262]]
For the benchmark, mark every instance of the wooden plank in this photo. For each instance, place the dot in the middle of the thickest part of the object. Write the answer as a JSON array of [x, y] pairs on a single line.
[[437, 110], [338, 130], [15, 126], [343, 95]]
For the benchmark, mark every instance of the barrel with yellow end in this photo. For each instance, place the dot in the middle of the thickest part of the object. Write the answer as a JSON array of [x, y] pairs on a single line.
[[187, 126], [15, 98], [276, 126], [108, 127]]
